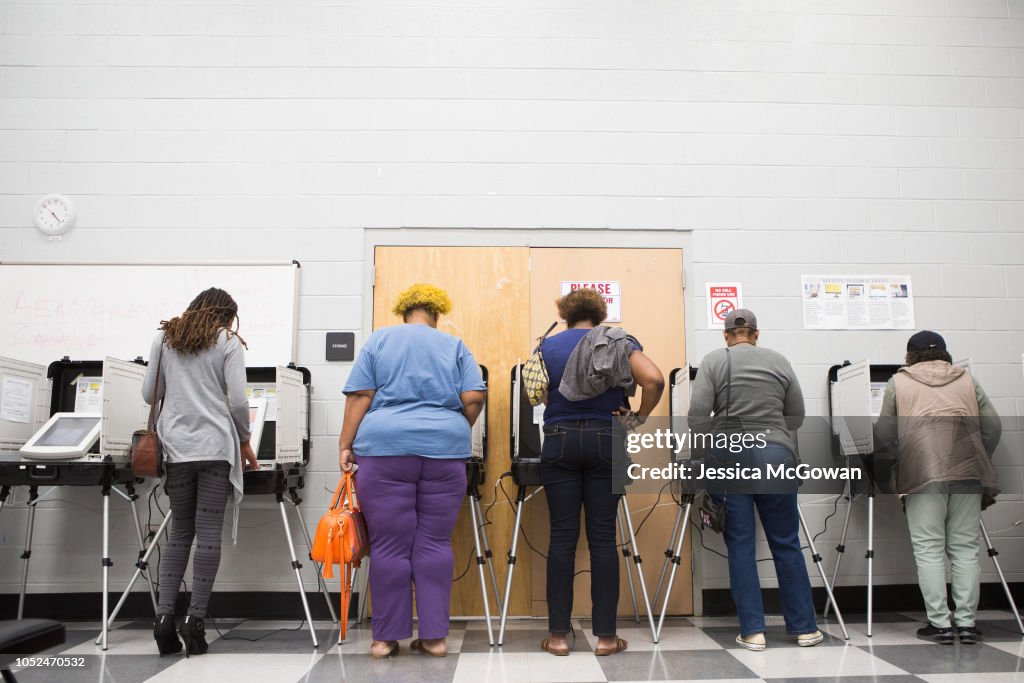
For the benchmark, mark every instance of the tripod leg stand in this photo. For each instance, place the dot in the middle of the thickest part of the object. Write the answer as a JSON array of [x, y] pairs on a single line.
[[33, 501], [520, 499], [480, 561], [293, 496], [475, 502], [140, 566], [870, 556], [626, 552], [107, 564], [841, 547], [132, 498], [679, 535], [993, 553], [821, 570], [637, 560], [668, 554], [297, 566]]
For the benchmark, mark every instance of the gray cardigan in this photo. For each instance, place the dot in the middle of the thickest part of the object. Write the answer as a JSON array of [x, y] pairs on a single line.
[[205, 411]]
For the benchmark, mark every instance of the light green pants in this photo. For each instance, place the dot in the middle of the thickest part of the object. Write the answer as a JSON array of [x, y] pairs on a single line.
[[941, 524]]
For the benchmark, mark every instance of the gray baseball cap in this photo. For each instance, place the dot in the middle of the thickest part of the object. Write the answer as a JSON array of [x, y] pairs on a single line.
[[741, 317]]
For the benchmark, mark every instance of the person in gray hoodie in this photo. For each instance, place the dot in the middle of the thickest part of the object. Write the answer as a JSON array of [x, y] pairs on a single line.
[[945, 430]]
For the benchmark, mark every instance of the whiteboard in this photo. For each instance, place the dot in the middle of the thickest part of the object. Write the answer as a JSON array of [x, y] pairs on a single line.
[[89, 311]]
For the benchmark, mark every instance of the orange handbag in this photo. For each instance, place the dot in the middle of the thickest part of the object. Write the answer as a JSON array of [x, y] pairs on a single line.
[[342, 538]]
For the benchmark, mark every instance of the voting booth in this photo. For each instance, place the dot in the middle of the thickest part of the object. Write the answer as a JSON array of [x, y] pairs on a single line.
[[108, 391], [856, 390], [279, 399]]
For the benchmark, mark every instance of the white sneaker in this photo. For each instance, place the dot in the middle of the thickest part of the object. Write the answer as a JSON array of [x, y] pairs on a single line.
[[755, 641], [809, 639]]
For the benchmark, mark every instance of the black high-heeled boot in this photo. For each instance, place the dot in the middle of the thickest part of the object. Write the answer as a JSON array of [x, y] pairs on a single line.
[[166, 635], [193, 632]]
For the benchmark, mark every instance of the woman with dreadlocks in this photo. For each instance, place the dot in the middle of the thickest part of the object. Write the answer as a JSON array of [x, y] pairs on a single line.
[[204, 431]]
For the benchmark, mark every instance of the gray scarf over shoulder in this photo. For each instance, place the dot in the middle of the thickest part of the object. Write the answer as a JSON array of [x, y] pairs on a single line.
[[598, 363]]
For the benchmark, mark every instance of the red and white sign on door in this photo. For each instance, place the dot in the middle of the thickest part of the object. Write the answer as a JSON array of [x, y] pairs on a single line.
[[610, 291], [722, 297]]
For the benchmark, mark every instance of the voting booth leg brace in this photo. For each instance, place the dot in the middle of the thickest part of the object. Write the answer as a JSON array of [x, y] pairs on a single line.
[[520, 499], [821, 571], [993, 553], [33, 500], [673, 557], [869, 554], [481, 559], [626, 524], [297, 567]]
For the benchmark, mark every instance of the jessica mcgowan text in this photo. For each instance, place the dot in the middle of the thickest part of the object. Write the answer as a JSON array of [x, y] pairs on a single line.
[[698, 471]]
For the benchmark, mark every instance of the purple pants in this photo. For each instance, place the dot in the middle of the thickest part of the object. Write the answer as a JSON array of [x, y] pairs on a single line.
[[410, 504]]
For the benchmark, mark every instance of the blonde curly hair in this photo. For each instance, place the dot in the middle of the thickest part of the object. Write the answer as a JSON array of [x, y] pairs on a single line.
[[428, 297]]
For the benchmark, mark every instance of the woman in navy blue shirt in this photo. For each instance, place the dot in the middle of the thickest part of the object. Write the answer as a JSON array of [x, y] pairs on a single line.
[[576, 470]]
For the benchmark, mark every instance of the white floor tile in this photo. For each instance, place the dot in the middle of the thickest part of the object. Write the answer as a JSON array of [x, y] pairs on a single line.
[[494, 667], [247, 667], [814, 662]]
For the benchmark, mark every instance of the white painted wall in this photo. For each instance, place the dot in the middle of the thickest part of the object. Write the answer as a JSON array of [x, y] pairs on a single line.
[[790, 136]]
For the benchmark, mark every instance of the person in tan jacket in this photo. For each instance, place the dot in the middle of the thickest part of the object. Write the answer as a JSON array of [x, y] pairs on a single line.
[[945, 429]]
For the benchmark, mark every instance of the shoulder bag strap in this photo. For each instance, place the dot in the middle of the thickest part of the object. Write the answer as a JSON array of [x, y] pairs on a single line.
[[728, 382], [151, 423], [544, 336]]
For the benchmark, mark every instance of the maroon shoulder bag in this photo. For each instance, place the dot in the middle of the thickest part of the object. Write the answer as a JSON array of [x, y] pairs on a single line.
[[145, 454]]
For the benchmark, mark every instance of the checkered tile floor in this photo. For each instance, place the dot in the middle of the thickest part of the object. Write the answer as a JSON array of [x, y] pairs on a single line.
[[693, 649]]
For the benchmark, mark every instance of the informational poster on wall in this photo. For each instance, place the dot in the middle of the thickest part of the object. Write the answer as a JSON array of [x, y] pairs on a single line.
[[857, 302], [723, 298], [610, 291]]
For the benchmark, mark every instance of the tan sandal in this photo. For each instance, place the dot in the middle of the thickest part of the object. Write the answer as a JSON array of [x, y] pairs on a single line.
[[393, 650], [620, 646], [418, 646], [558, 652]]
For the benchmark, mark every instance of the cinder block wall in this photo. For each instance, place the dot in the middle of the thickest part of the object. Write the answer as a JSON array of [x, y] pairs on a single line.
[[790, 137]]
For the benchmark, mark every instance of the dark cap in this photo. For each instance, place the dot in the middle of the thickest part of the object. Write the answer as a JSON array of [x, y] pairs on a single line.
[[924, 340], [741, 317]]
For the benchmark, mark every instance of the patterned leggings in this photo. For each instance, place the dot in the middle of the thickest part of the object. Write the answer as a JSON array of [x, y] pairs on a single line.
[[198, 492]]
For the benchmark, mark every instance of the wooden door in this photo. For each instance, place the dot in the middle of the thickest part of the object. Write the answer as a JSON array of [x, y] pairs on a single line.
[[503, 299], [650, 283]]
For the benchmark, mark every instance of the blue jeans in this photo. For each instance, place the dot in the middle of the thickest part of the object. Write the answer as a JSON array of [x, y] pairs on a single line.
[[576, 470], [781, 522]]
